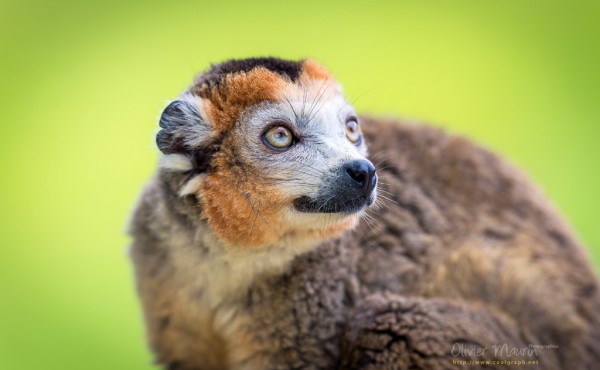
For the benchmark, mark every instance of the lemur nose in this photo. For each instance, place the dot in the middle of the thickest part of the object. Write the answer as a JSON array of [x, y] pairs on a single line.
[[363, 174]]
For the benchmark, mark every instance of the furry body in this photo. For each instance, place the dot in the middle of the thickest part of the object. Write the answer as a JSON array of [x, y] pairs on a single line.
[[467, 252]]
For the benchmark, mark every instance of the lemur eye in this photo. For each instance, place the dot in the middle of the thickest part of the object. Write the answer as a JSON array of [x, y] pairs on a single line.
[[353, 131], [278, 138]]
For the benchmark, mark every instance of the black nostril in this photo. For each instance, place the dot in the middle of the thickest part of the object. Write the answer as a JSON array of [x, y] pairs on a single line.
[[359, 177], [363, 173]]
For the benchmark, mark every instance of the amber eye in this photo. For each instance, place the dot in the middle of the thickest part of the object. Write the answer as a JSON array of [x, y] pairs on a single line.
[[278, 137], [353, 131]]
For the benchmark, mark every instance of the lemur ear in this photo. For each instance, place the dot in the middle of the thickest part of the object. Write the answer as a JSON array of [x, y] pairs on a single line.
[[183, 129]]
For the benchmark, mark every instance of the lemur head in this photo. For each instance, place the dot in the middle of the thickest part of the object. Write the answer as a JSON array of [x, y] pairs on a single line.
[[270, 149]]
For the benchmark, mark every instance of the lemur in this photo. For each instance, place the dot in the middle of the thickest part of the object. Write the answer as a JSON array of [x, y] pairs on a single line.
[[267, 239]]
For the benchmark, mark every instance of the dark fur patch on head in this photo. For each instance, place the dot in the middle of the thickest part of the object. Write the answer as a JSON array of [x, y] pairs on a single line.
[[217, 73]]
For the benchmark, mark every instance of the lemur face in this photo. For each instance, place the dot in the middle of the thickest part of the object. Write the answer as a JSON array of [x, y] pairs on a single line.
[[270, 148]]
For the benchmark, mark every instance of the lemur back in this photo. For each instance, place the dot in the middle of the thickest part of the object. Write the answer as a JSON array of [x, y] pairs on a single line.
[[267, 239]]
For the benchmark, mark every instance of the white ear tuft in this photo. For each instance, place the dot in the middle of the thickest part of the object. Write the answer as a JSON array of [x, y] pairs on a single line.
[[175, 162], [191, 187]]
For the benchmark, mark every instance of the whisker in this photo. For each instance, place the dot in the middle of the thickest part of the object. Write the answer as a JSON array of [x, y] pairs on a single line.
[[322, 105], [315, 100], [291, 106], [304, 93], [360, 95], [388, 199]]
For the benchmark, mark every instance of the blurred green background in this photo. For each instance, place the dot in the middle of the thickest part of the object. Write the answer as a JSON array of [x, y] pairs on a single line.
[[82, 84]]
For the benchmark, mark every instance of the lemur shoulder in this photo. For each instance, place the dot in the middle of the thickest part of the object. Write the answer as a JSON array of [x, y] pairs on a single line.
[[267, 239]]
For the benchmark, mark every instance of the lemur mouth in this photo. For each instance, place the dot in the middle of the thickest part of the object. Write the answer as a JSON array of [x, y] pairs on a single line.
[[334, 205]]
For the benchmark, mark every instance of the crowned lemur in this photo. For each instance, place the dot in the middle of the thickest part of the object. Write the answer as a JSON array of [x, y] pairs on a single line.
[[267, 239]]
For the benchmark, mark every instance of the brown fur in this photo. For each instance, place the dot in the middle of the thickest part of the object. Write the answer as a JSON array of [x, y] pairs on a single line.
[[314, 70], [215, 341], [244, 209], [226, 101], [239, 207], [465, 250]]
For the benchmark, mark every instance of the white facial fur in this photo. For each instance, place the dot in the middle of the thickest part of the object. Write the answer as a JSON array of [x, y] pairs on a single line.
[[317, 115]]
